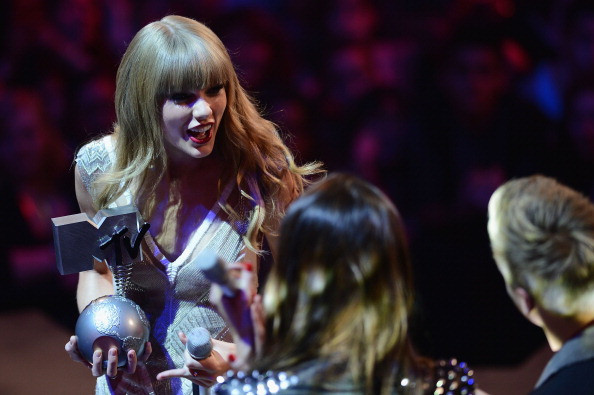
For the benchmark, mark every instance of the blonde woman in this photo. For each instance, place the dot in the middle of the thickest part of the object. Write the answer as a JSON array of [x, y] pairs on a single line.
[[334, 313], [205, 170]]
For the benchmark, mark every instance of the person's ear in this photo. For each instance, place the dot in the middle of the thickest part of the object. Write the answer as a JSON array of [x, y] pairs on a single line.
[[525, 302]]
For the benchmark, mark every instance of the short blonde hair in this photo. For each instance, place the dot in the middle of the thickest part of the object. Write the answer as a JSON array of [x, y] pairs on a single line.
[[542, 238]]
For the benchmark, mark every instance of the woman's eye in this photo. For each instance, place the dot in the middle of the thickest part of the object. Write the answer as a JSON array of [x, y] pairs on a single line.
[[182, 98], [212, 91]]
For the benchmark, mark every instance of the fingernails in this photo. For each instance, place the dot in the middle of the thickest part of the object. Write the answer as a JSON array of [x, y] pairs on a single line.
[[113, 352], [232, 358], [97, 354], [248, 266]]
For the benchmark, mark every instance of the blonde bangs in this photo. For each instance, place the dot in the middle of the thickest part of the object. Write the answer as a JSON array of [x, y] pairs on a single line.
[[191, 65]]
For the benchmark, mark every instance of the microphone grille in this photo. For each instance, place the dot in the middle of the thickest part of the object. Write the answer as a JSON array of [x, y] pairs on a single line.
[[199, 343]]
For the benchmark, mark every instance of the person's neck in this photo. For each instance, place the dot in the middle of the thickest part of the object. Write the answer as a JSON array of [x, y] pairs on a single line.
[[194, 180], [558, 329], [191, 168]]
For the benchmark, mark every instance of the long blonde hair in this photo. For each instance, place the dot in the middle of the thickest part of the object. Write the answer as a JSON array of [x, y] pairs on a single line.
[[340, 292], [177, 54]]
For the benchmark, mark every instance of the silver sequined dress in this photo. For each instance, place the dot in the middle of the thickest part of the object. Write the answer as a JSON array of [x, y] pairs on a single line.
[[174, 295]]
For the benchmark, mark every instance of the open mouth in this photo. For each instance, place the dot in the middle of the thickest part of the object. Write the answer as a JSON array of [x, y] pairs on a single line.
[[201, 135]]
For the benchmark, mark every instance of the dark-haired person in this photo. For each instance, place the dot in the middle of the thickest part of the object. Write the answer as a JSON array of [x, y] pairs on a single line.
[[334, 313]]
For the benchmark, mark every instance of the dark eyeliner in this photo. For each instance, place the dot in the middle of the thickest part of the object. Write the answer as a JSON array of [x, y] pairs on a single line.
[[181, 97], [214, 89]]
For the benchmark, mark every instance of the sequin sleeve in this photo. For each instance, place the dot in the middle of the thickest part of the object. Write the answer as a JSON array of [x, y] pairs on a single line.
[[441, 377], [453, 377], [94, 159]]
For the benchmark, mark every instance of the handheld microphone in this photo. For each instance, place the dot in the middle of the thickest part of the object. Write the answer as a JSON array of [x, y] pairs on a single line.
[[234, 302], [199, 343], [199, 346], [215, 270]]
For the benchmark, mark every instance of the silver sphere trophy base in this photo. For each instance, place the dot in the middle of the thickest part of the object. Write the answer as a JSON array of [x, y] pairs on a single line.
[[112, 321]]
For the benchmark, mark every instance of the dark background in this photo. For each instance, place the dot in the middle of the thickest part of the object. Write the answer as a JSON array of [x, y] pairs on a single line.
[[436, 102]]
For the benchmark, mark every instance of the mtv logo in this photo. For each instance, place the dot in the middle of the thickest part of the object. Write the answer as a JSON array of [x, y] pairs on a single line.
[[78, 239]]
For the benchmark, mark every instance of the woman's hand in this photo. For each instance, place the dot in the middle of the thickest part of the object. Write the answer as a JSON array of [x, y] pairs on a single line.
[[203, 372], [243, 312], [112, 359], [257, 313]]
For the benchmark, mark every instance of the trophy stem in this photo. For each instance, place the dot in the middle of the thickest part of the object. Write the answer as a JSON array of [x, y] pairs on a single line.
[[123, 271], [121, 276]]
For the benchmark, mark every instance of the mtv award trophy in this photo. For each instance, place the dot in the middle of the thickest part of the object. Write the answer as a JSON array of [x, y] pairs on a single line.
[[112, 235]]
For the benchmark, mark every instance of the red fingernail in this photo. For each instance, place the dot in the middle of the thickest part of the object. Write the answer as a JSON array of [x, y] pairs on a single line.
[[231, 357], [248, 266]]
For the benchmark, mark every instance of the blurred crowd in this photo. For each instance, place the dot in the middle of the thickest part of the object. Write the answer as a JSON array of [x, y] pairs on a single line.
[[437, 102]]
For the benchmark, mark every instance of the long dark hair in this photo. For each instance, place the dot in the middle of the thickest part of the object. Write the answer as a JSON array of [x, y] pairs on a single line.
[[340, 291]]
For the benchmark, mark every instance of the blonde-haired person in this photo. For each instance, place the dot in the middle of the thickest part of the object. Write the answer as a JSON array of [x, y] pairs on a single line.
[[542, 238], [334, 313], [205, 170]]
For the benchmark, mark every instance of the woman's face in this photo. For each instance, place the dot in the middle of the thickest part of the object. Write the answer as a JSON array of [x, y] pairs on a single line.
[[191, 120]]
